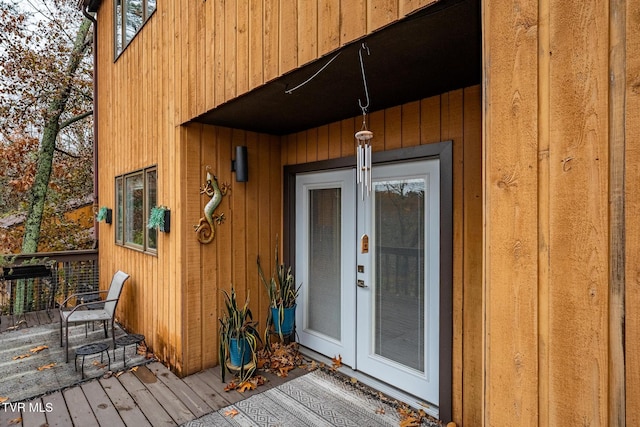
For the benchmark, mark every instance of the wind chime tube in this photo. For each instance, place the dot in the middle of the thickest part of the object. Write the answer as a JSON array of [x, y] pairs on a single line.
[[369, 183], [358, 164]]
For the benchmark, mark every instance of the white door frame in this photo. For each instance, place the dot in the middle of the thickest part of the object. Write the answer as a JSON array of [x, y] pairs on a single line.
[[444, 152]]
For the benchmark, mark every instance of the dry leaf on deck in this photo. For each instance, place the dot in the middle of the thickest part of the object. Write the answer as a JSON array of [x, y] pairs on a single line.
[[353, 380], [283, 371], [22, 356], [3, 399], [16, 421], [410, 422], [117, 374], [135, 368], [49, 366], [246, 385], [231, 413], [230, 386], [39, 348], [99, 365], [336, 362]]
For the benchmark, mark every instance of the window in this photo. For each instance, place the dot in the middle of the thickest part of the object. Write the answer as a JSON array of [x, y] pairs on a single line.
[[130, 16], [136, 194]]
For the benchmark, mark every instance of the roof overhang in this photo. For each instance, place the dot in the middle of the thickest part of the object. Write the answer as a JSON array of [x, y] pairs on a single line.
[[430, 52]]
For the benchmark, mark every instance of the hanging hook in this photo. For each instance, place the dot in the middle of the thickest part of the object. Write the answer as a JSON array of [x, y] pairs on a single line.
[[364, 79]]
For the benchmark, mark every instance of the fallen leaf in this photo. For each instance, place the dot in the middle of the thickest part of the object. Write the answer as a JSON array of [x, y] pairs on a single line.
[[231, 413], [283, 371], [230, 386], [117, 374], [107, 375], [410, 422], [39, 348], [353, 380], [3, 399], [49, 366], [336, 362], [259, 380], [261, 362], [135, 368], [16, 421], [22, 356], [99, 365], [246, 385]]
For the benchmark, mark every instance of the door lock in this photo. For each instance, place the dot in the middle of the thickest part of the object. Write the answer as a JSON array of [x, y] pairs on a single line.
[[361, 284]]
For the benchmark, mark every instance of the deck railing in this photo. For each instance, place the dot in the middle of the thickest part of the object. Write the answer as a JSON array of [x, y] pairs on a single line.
[[70, 272]]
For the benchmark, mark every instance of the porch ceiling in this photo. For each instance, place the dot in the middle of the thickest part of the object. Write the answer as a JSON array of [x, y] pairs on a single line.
[[433, 51]]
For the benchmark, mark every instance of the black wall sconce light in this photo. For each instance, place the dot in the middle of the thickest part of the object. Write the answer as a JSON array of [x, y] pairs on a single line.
[[240, 164]]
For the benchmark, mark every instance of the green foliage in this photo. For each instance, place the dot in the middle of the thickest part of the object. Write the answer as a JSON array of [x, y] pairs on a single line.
[[45, 141], [281, 289], [102, 214], [237, 322], [156, 217]]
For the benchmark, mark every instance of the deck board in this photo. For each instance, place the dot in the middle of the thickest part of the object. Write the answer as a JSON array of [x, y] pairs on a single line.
[[149, 406], [79, 408], [186, 394], [214, 399], [164, 396], [34, 414], [148, 395], [59, 415], [10, 417], [209, 377], [130, 413], [102, 407]]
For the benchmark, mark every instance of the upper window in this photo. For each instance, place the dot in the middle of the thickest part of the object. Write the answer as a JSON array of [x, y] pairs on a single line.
[[130, 15], [136, 195]]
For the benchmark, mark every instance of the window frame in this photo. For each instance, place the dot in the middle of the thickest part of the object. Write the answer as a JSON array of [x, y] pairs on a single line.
[[120, 11], [148, 201]]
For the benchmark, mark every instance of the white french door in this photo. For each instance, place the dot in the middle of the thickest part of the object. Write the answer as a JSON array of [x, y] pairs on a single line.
[[369, 267], [325, 259]]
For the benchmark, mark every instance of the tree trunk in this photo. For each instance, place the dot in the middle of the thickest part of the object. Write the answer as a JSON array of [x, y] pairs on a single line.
[[45, 155], [48, 144]]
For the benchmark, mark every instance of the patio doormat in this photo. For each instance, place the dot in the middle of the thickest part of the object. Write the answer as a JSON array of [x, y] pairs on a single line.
[[314, 399]]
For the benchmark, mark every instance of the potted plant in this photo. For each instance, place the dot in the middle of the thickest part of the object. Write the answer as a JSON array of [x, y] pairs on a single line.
[[238, 338], [104, 214], [282, 293], [160, 216]]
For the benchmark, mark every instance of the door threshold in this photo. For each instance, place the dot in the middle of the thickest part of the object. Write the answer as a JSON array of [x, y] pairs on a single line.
[[388, 390]]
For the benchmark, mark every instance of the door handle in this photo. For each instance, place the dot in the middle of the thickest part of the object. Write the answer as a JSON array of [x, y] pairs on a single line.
[[361, 284]]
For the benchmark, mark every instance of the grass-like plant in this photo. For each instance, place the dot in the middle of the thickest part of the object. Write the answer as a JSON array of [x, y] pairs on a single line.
[[237, 322], [281, 289]]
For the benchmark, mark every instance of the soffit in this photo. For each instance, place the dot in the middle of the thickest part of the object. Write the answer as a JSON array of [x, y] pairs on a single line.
[[433, 51]]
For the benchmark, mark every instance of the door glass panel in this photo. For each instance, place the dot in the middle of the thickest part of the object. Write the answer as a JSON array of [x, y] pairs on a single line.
[[324, 305], [399, 308]]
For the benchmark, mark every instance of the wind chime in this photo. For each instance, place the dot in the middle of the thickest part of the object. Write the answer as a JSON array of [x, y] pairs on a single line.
[[363, 138]]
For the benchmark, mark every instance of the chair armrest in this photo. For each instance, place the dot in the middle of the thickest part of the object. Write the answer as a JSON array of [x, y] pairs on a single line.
[[64, 303], [86, 304]]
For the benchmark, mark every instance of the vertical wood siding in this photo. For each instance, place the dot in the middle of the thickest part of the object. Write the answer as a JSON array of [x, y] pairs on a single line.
[[561, 242], [452, 116], [187, 59], [632, 212]]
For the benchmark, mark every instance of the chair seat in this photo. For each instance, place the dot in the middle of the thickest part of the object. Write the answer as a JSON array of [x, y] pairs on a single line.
[[80, 316]]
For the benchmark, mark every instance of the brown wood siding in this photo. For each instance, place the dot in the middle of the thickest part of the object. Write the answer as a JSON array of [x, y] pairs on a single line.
[[561, 243], [187, 59], [631, 79], [452, 116]]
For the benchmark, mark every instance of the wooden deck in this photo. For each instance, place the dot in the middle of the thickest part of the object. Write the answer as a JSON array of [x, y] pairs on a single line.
[[149, 396]]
